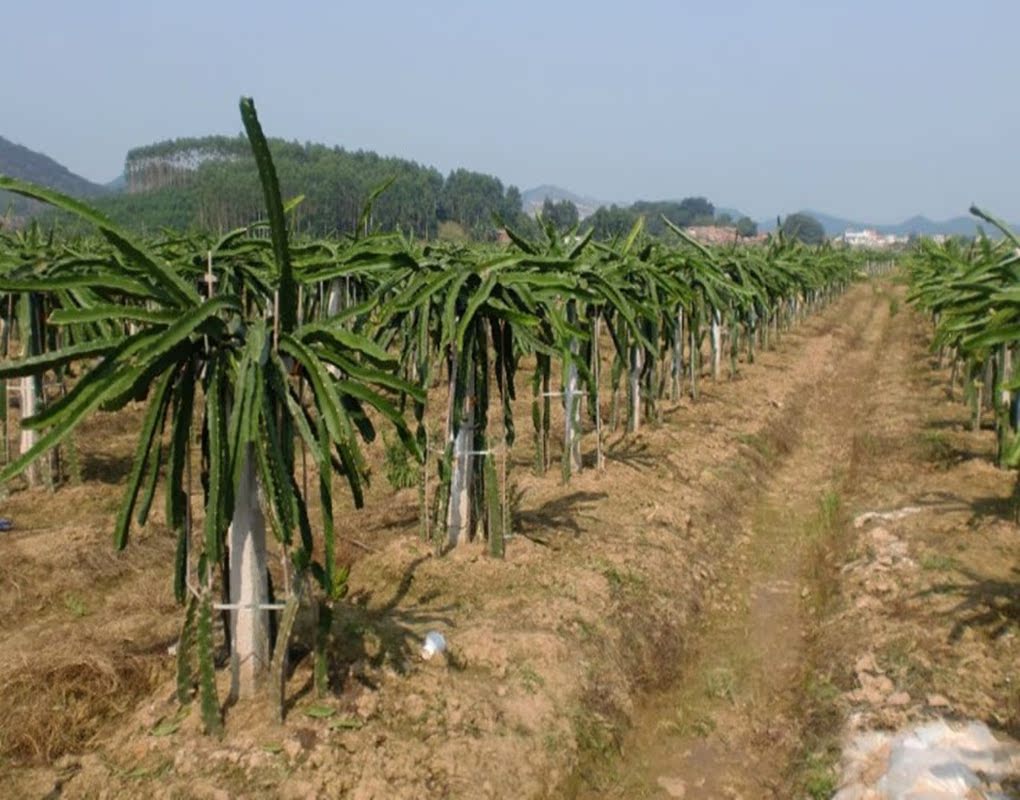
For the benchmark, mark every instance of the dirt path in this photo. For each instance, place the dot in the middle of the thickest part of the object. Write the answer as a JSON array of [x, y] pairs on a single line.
[[732, 727]]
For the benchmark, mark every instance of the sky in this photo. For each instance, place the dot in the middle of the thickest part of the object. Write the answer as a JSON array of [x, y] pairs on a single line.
[[870, 110]]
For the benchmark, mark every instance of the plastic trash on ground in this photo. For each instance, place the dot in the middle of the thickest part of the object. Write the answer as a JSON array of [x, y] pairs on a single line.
[[933, 760], [6, 524], [434, 643]]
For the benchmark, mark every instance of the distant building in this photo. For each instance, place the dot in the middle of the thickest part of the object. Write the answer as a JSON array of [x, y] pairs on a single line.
[[721, 234], [870, 239]]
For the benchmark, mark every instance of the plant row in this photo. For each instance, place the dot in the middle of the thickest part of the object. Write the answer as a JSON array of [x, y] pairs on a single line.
[[252, 351]]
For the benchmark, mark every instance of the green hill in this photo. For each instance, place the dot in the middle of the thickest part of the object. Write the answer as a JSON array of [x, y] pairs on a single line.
[[21, 162], [212, 183]]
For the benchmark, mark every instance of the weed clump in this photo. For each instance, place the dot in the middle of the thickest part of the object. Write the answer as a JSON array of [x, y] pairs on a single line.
[[400, 469]]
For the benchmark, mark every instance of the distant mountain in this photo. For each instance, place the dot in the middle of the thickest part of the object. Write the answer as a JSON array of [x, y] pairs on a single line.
[[733, 213], [118, 184], [957, 226], [18, 161], [21, 162], [211, 183], [920, 225], [534, 198]]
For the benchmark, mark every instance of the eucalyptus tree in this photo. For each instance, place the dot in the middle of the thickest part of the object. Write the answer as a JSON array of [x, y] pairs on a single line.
[[216, 340]]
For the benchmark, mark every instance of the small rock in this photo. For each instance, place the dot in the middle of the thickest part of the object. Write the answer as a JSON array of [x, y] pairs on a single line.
[[937, 701], [306, 737], [874, 690], [367, 705], [881, 586], [674, 787], [415, 706], [899, 699], [867, 663], [65, 763], [292, 747], [184, 762], [295, 789]]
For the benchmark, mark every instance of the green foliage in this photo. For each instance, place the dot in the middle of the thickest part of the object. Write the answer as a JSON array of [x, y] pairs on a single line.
[[803, 228], [323, 632], [249, 362], [76, 605], [473, 199], [689, 211], [212, 183], [562, 215], [495, 514], [186, 653], [819, 776], [612, 222], [829, 508], [401, 471], [319, 712], [450, 231], [208, 697], [969, 289], [747, 227]]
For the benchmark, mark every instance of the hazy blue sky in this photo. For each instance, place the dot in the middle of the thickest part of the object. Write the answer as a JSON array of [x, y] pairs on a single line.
[[866, 109]]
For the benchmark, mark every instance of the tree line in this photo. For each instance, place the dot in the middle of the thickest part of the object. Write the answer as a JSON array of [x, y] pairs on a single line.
[[212, 184], [614, 221]]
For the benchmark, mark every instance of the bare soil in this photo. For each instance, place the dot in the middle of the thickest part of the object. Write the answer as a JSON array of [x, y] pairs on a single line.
[[689, 622]]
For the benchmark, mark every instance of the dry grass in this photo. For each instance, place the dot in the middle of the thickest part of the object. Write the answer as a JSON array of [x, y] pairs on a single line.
[[55, 708], [84, 627]]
